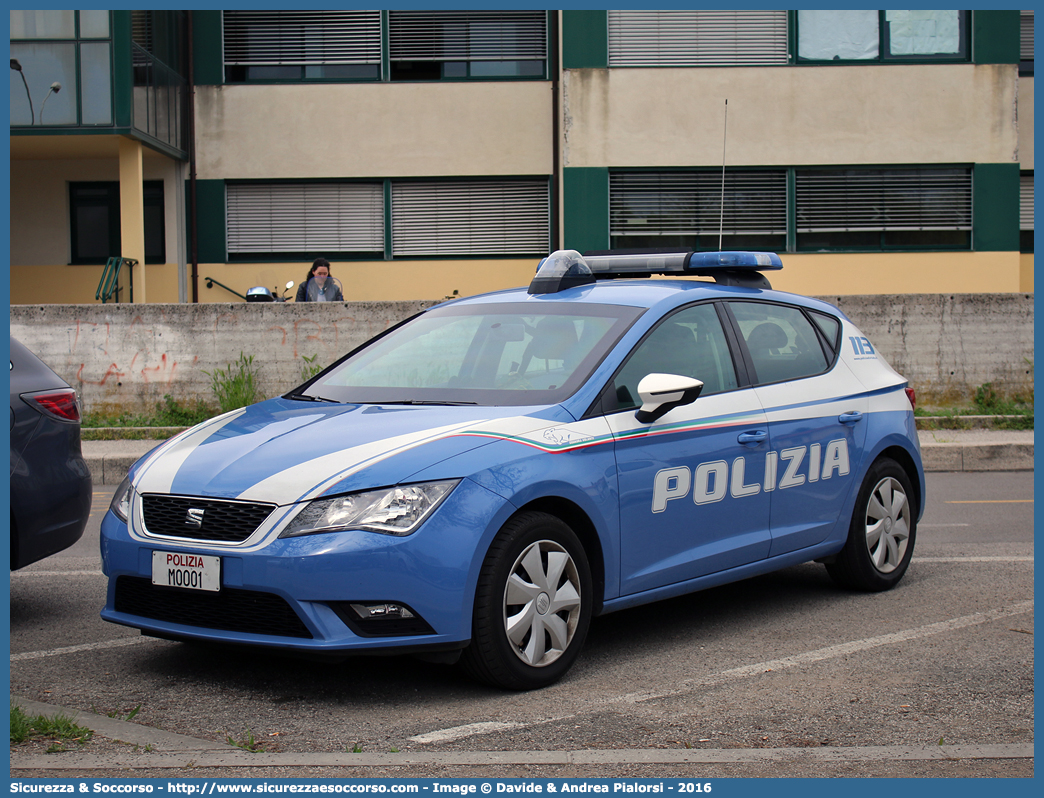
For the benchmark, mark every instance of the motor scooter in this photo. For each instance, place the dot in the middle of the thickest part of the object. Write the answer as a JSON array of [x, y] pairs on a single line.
[[260, 293]]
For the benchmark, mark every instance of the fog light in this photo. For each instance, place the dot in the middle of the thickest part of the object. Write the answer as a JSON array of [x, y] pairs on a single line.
[[368, 612], [381, 618]]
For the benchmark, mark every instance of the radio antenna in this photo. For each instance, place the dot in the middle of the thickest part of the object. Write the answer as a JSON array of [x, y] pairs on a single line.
[[724, 139]]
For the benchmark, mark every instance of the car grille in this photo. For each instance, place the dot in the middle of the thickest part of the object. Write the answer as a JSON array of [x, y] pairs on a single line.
[[231, 609], [220, 521]]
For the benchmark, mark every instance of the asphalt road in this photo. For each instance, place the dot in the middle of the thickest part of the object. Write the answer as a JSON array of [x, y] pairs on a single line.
[[782, 664]]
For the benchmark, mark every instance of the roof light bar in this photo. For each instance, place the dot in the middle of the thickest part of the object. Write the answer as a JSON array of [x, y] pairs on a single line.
[[568, 268]]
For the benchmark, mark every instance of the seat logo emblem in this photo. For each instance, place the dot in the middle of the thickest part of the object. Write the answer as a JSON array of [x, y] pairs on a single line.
[[194, 518]]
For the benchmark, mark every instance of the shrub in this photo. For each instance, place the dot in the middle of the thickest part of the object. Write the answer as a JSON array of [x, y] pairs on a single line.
[[236, 385]]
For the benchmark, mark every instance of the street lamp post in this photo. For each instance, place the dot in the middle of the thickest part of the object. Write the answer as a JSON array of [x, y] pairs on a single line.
[[17, 67], [54, 89]]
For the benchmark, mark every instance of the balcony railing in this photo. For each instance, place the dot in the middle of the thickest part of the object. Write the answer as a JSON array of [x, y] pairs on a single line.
[[159, 99]]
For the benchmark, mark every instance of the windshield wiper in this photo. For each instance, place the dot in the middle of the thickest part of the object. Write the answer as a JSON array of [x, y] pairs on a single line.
[[421, 402], [306, 398]]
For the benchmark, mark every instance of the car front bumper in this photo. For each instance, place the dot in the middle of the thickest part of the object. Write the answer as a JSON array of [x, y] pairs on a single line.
[[296, 593]]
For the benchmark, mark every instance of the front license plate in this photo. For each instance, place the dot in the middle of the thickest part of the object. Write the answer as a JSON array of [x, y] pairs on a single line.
[[192, 571]]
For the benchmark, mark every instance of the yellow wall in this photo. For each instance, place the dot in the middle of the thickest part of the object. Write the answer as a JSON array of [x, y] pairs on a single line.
[[373, 281], [1026, 273], [78, 284], [900, 273]]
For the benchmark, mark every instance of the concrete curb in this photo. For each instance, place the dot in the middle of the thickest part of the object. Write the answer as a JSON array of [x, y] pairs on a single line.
[[400, 761], [109, 461], [131, 733], [182, 752], [978, 457]]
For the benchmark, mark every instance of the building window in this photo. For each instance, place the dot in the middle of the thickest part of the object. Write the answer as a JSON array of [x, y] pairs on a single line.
[[69, 50], [697, 38], [437, 45], [305, 219], [875, 209], [833, 36], [470, 217], [1026, 212], [302, 45], [95, 222], [301, 220], [1026, 43], [43, 24], [689, 210]]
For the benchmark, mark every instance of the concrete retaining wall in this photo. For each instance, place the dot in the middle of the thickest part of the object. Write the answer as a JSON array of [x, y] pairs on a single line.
[[127, 357], [948, 345]]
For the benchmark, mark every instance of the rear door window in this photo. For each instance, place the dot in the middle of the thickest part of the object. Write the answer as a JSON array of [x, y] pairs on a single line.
[[781, 340]]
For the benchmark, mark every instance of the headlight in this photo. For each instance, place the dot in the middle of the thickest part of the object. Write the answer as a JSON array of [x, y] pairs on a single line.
[[121, 500], [391, 511]]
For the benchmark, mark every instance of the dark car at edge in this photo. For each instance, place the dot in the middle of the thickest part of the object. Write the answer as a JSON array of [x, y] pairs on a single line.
[[50, 482]]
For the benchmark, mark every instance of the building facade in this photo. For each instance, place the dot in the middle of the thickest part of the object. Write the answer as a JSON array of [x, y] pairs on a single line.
[[429, 153]]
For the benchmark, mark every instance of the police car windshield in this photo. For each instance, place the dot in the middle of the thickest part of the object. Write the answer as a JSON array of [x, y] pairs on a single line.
[[489, 355]]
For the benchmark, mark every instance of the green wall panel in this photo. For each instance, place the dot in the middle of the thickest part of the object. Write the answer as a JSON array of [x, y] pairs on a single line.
[[585, 39], [586, 208], [206, 48], [995, 37], [995, 207], [210, 220]]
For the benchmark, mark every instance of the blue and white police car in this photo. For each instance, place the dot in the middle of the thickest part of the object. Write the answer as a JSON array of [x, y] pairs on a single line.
[[481, 480]]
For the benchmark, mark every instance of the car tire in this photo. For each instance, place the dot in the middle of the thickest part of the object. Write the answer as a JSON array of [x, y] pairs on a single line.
[[882, 533], [533, 605]]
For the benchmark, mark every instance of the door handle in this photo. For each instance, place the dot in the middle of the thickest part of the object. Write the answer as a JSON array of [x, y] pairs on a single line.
[[850, 418], [753, 437]]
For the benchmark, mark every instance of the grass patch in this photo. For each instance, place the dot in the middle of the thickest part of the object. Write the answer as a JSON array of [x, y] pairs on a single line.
[[169, 413], [59, 728], [990, 403], [1013, 412]]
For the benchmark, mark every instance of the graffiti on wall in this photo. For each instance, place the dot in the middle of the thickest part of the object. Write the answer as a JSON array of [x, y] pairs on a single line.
[[130, 357]]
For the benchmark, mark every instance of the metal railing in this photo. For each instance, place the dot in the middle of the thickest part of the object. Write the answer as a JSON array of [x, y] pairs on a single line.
[[211, 282], [109, 285]]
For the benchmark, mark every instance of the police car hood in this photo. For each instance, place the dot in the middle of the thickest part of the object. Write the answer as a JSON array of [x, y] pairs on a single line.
[[285, 451]]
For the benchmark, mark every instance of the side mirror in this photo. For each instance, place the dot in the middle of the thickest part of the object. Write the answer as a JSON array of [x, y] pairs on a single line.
[[661, 393]]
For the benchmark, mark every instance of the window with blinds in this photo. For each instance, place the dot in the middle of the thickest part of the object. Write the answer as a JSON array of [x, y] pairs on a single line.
[[1025, 42], [686, 210], [470, 217], [434, 45], [1026, 212], [302, 45], [301, 218], [697, 38], [883, 208], [141, 29]]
